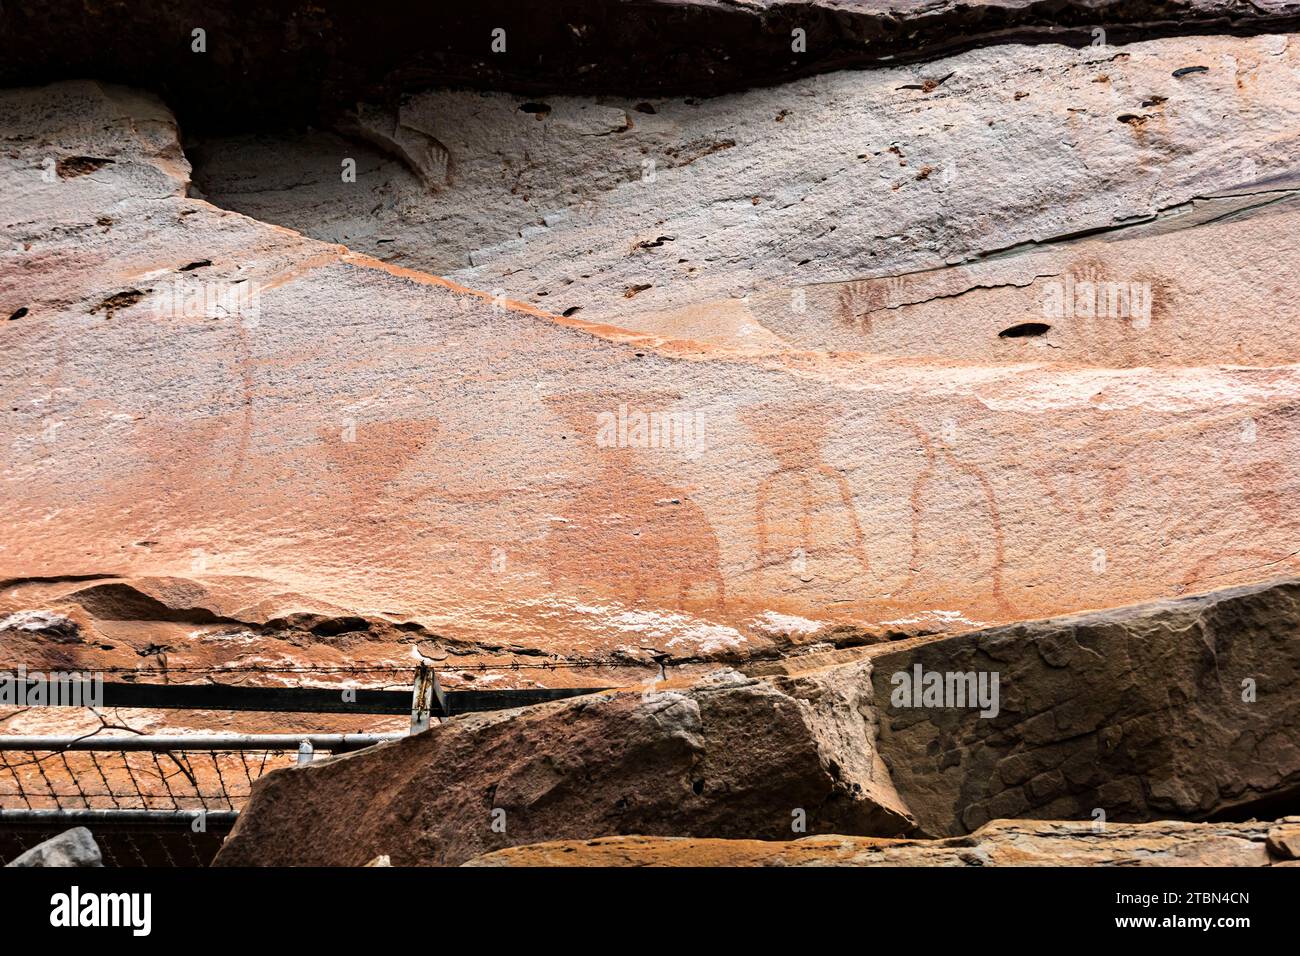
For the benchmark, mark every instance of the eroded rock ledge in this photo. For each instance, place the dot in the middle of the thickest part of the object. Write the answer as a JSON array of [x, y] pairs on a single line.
[[997, 843], [1181, 709], [300, 61], [865, 212]]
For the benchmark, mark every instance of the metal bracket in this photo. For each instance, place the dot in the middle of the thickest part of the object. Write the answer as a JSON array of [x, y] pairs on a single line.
[[426, 695]]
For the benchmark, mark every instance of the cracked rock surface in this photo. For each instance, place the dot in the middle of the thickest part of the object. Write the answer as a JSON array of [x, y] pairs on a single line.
[[1181, 710], [874, 193]]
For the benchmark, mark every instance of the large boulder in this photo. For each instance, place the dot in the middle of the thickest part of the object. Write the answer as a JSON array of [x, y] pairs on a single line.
[[729, 756], [75, 847], [1178, 709]]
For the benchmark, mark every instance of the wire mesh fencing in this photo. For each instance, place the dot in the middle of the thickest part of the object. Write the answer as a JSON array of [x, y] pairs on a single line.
[[152, 773], [120, 845], [149, 780], [148, 800], [164, 799]]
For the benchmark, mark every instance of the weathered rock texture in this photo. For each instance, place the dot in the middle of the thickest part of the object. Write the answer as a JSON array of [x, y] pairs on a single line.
[[919, 219], [309, 448], [1181, 709], [998, 843], [300, 60], [727, 756], [1135, 714]]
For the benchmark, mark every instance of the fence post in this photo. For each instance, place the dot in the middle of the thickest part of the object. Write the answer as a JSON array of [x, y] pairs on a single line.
[[424, 695]]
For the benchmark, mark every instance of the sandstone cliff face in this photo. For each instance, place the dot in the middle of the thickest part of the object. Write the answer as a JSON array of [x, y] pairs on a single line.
[[1181, 709], [919, 218], [295, 428], [799, 391]]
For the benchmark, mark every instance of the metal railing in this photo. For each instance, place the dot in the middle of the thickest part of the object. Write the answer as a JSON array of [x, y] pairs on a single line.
[[160, 799], [79, 780]]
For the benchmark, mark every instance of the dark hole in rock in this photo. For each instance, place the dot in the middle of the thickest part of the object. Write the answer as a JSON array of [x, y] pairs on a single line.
[[1283, 804], [1024, 330], [654, 243], [200, 264], [72, 166], [18, 314], [340, 625]]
